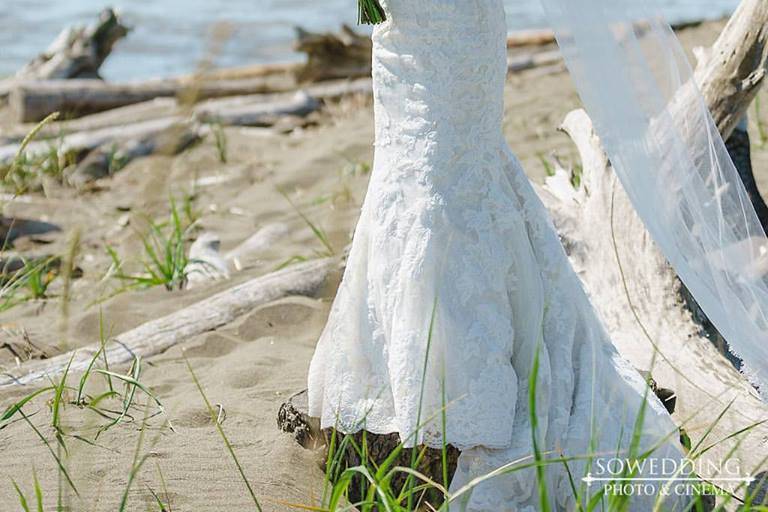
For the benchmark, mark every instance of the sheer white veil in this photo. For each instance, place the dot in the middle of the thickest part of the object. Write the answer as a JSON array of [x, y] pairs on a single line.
[[637, 85]]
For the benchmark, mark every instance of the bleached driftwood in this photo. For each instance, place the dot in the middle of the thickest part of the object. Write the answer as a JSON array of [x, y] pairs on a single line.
[[159, 335], [257, 243], [739, 147], [31, 101], [543, 37], [258, 111], [78, 52], [145, 111], [112, 156], [635, 291], [637, 295], [89, 140], [731, 72], [345, 54], [518, 63], [113, 141], [205, 261]]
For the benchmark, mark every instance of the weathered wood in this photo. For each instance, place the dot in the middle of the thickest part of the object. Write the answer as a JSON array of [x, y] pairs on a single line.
[[14, 228], [32, 101], [145, 111], [205, 261], [638, 298], [518, 63], [344, 54], [543, 37], [82, 142], [257, 110], [531, 37], [262, 240], [293, 418], [112, 156], [173, 133], [158, 335], [731, 72], [738, 145], [78, 52]]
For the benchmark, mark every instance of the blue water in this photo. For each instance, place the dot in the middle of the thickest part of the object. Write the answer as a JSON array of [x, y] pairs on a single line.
[[172, 36]]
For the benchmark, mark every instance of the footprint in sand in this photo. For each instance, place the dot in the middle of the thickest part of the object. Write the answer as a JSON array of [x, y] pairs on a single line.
[[214, 345], [193, 418], [287, 317], [256, 373]]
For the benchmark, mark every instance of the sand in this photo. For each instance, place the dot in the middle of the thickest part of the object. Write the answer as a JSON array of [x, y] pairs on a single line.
[[253, 365]]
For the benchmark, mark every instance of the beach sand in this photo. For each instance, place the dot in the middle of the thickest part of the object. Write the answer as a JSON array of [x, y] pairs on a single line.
[[251, 366]]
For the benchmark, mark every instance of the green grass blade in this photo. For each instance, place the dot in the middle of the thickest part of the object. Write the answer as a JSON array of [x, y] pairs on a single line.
[[38, 491], [228, 445], [540, 475], [60, 464], [13, 409]]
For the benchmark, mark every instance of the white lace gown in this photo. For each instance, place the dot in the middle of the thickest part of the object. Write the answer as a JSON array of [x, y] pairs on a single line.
[[451, 225]]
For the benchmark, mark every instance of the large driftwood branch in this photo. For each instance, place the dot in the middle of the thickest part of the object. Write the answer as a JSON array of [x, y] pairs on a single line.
[[111, 157], [635, 291], [159, 335], [610, 249], [111, 134], [345, 54], [31, 101], [730, 73], [78, 52], [13, 228], [139, 112], [82, 142]]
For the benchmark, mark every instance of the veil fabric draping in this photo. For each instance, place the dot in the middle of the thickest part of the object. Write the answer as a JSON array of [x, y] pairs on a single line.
[[638, 87]]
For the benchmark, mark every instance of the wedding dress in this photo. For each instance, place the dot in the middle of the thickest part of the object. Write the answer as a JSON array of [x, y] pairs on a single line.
[[455, 262]]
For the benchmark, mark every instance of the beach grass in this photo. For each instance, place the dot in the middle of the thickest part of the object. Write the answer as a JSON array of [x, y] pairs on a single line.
[[374, 483], [164, 244]]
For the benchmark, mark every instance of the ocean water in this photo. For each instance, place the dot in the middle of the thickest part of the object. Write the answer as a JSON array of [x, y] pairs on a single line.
[[172, 36]]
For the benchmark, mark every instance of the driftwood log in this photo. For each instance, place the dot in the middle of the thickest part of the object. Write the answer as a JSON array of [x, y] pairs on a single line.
[[729, 75], [263, 110], [345, 54], [32, 101], [109, 158], [145, 111], [739, 147], [83, 142], [636, 293], [135, 120], [78, 52], [158, 335], [731, 72], [14, 228], [543, 37], [640, 301]]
